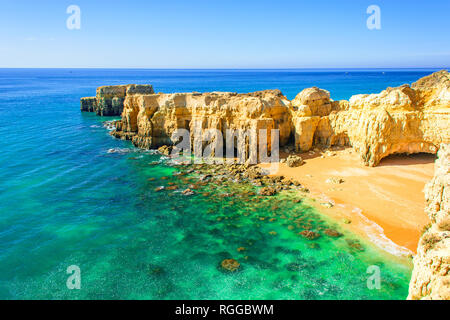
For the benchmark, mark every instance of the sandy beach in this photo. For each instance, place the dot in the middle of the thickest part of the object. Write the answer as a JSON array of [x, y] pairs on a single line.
[[385, 203]]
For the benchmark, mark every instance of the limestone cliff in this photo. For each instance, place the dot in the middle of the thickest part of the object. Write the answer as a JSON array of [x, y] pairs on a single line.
[[150, 120], [431, 275], [109, 99], [397, 120], [405, 119]]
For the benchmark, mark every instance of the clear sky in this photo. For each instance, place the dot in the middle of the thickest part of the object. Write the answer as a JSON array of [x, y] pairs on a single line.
[[225, 34]]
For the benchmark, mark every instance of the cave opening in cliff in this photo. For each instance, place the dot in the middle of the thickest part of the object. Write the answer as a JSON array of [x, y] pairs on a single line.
[[291, 139], [408, 159]]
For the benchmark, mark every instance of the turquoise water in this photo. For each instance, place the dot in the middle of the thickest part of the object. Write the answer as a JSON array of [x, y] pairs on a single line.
[[65, 200]]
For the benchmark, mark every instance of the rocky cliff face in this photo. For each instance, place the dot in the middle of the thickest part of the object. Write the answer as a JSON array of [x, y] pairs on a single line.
[[406, 119], [398, 120], [109, 99], [431, 275], [150, 120]]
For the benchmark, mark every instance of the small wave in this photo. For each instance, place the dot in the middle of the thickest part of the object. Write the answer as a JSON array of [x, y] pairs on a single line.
[[377, 236], [94, 126], [119, 150], [109, 125]]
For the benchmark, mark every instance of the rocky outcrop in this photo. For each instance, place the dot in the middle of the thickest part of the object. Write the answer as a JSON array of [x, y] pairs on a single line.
[[230, 265], [294, 161], [150, 120], [109, 99], [431, 275], [405, 119]]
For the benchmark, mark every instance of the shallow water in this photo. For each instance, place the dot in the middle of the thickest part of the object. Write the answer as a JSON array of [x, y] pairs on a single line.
[[72, 195]]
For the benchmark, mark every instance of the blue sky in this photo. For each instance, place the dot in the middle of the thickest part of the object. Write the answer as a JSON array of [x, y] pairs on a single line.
[[225, 34]]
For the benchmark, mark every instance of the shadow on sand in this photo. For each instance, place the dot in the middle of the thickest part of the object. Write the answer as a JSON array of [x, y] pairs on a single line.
[[407, 159]]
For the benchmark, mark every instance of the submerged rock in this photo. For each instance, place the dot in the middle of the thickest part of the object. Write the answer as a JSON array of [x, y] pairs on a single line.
[[296, 266], [205, 177], [354, 244], [310, 235], [188, 192], [230, 265], [268, 191], [314, 245], [333, 233]]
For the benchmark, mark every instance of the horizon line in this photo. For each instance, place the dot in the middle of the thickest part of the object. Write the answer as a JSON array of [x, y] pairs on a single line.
[[268, 68]]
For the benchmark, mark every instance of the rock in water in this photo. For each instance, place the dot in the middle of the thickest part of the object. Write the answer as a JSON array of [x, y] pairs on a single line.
[[267, 191], [188, 192], [230, 265], [109, 100], [310, 235], [333, 233], [165, 150]]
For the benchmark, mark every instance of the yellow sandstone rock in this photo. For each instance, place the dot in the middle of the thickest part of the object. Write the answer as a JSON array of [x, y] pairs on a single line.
[[398, 120], [431, 275], [109, 99], [406, 119], [150, 120]]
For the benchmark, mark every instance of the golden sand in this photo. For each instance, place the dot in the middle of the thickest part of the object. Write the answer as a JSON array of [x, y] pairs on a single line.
[[385, 203]]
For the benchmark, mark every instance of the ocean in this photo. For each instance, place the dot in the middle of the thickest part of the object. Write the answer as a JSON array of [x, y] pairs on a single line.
[[70, 194]]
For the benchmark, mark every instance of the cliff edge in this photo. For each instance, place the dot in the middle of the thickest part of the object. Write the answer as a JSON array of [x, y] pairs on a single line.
[[431, 275], [109, 99]]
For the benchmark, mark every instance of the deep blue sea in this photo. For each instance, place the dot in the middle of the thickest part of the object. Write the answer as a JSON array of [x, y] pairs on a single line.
[[70, 194]]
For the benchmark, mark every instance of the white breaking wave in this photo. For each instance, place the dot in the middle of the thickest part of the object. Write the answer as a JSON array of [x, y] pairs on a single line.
[[377, 236], [119, 150]]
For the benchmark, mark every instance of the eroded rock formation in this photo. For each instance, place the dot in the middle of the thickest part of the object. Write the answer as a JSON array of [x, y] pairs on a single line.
[[109, 99], [405, 119], [150, 120], [397, 120], [431, 275]]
